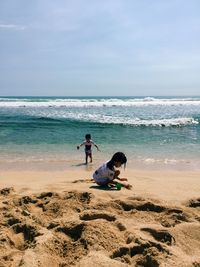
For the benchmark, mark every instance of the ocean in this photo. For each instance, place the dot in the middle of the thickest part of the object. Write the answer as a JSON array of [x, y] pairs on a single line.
[[154, 132]]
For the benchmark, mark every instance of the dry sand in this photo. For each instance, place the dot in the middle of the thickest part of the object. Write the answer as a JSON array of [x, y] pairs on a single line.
[[57, 219]]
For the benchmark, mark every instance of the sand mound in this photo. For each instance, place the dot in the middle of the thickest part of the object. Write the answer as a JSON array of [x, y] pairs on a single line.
[[77, 228]]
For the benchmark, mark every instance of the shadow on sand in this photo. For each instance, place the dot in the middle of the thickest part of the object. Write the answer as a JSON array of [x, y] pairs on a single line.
[[104, 187], [79, 164]]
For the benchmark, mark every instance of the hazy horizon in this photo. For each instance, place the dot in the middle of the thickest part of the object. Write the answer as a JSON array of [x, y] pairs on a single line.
[[99, 96]]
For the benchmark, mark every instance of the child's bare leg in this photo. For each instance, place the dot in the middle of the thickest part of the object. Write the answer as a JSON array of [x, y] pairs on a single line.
[[86, 158], [90, 155]]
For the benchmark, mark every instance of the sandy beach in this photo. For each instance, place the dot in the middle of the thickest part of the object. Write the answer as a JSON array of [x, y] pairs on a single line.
[[61, 218], [87, 88]]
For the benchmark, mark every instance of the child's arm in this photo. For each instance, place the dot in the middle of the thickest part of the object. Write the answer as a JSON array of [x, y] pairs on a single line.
[[126, 185], [121, 184], [95, 145], [80, 145], [117, 173], [122, 179]]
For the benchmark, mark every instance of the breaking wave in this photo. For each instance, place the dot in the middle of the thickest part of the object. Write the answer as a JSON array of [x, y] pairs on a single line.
[[96, 102]]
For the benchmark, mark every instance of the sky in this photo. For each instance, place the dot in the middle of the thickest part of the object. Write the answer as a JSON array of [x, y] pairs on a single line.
[[99, 47]]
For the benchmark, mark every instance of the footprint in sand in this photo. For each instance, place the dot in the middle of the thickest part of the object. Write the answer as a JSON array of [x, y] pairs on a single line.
[[194, 203], [160, 235], [137, 205], [6, 191], [93, 215], [146, 253]]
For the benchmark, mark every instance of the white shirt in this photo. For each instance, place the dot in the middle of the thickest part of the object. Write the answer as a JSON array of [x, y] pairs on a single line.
[[103, 172]]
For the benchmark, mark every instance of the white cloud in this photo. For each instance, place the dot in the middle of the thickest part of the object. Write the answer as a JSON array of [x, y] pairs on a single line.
[[12, 27]]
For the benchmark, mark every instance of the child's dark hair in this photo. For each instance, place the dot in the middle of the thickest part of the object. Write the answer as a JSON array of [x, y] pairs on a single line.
[[88, 136], [117, 157]]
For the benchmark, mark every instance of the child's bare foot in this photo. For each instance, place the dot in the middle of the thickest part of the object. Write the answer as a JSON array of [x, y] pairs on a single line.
[[112, 185]]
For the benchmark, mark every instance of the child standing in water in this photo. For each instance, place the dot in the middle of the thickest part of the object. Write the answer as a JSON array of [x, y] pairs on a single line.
[[107, 174], [88, 147]]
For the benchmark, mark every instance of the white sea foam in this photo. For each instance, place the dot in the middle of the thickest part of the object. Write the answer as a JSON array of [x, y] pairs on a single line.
[[160, 122], [67, 108], [97, 102], [133, 121], [167, 161], [123, 120]]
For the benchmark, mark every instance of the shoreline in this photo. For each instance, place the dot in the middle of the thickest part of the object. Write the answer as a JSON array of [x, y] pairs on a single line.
[[70, 163]]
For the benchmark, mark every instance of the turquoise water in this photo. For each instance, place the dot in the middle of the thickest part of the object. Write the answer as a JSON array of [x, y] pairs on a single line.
[[152, 131]]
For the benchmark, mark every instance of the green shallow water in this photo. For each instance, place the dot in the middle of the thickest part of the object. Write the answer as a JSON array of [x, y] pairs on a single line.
[[150, 131]]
